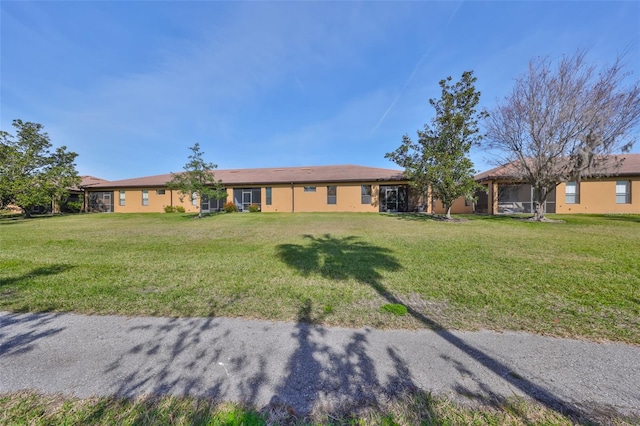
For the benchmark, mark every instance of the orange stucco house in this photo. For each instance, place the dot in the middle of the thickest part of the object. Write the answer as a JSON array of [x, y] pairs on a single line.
[[617, 192], [350, 188], [343, 188]]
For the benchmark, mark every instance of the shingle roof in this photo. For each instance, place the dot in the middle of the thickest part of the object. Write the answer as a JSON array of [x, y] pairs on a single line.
[[88, 181], [91, 180], [630, 166], [278, 175]]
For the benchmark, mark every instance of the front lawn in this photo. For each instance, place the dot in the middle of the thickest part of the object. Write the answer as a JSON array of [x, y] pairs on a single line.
[[580, 278]]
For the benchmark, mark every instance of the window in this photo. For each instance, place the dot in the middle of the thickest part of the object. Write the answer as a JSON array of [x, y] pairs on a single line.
[[268, 190], [145, 197], [309, 189], [332, 191], [623, 192], [122, 198], [194, 199], [160, 192], [365, 190], [571, 193], [467, 202]]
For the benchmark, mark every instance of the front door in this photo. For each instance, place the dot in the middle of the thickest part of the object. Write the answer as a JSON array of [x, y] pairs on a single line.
[[394, 198], [246, 199], [391, 198]]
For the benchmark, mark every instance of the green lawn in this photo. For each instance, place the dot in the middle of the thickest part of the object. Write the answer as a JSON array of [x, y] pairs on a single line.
[[579, 278]]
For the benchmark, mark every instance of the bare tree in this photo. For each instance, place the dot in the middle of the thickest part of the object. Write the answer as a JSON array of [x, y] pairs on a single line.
[[561, 123]]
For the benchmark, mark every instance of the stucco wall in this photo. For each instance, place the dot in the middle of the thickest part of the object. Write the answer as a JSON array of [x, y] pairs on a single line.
[[599, 197], [458, 207], [348, 198], [157, 202]]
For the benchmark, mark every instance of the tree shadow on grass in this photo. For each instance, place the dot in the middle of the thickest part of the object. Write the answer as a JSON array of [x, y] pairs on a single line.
[[623, 217], [428, 217], [339, 258], [349, 257], [35, 273]]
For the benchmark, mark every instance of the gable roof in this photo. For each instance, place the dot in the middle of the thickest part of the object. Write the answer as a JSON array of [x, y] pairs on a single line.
[[630, 166], [91, 180], [87, 181], [277, 175]]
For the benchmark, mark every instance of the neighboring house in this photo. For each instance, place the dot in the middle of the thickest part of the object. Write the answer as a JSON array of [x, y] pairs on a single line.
[[344, 188], [614, 192]]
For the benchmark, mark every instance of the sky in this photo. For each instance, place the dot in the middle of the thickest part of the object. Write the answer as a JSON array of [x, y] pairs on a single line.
[[131, 85]]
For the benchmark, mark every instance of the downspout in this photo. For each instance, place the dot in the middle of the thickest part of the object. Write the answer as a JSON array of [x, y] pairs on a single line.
[[293, 199]]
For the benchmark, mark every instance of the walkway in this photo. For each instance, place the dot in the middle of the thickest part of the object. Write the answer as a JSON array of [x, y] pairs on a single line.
[[305, 366]]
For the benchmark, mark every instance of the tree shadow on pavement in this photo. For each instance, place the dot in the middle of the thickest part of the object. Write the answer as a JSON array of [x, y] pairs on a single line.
[[335, 379], [163, 349], [31, 328], [348, 257]]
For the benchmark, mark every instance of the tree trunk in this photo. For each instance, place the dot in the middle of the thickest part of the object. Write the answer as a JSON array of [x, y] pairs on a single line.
[[448, 215], [538, 214]]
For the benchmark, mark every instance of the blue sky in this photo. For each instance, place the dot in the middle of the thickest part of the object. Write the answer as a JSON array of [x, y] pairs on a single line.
[[130, 86]]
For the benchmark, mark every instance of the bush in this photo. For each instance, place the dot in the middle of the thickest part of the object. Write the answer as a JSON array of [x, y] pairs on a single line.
[[229, 207], [72, 207], [174, 209], [254, 208]]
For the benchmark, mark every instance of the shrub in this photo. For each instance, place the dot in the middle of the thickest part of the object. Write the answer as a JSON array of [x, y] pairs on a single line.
[[169, 209], [254, 208], [72, 207], [180, 209], [230, 207], [394, 308]]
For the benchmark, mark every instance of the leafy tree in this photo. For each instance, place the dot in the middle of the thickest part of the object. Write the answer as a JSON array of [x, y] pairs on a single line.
[[561, 122], [198, 179], [438, 160], [30, 174]]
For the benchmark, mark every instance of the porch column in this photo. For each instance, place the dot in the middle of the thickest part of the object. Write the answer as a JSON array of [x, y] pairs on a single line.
[[493, 197]]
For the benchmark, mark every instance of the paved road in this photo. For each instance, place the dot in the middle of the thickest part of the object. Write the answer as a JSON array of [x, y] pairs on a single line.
[[307, 366]]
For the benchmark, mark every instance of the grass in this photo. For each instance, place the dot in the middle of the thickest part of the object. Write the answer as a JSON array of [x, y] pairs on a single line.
[[579, 278], [417, 408], [394, 308]]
